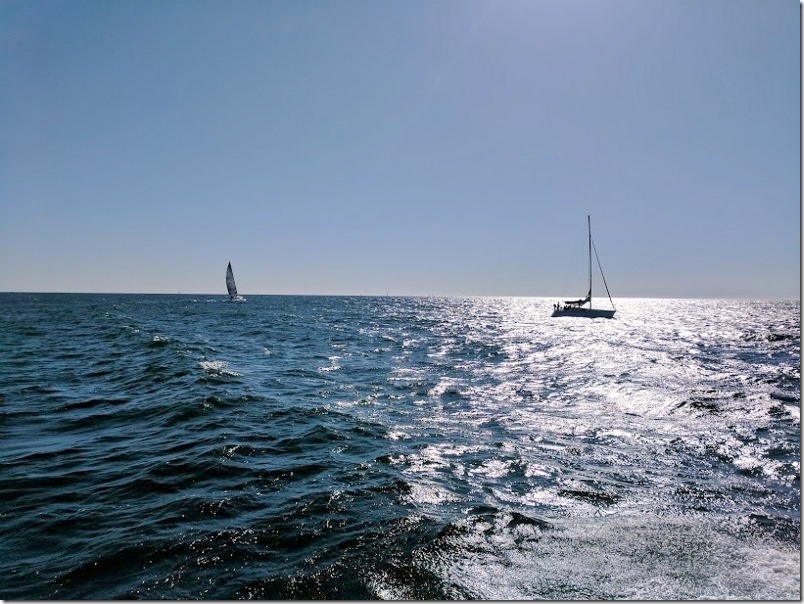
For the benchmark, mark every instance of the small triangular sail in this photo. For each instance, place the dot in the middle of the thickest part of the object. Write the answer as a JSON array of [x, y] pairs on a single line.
[[230, 282]]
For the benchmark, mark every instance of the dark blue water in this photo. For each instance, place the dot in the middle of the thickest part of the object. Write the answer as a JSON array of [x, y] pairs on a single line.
[[354, 447]]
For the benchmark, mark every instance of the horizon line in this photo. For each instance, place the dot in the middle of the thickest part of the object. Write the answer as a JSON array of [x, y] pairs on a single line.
[[389, 295]]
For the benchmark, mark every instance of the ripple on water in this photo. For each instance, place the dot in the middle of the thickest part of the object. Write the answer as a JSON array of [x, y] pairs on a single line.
[[406, 448]]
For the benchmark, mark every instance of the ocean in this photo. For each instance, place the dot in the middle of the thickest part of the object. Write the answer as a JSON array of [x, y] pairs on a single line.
[[313, 447]]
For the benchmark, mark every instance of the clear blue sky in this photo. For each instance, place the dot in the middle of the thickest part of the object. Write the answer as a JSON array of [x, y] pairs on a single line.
[[449, 147]]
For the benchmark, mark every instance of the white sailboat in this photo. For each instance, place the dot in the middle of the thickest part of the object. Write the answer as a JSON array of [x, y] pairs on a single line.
[[231, 287], [576, 308]]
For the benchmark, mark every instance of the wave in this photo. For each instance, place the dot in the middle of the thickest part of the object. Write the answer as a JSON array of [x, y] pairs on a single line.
[[403, 448]]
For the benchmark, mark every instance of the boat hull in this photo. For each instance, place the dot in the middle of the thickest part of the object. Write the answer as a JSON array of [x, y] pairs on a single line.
[[590, 313]]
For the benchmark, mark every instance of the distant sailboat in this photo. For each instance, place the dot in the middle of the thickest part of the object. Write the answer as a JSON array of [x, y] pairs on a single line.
[[575, 308], [231, 287]]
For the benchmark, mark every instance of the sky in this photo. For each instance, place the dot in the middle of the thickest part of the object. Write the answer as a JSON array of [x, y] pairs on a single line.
[[403, 147]]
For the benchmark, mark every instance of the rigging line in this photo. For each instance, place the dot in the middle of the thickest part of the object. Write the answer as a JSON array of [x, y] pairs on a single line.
[[594, 247]]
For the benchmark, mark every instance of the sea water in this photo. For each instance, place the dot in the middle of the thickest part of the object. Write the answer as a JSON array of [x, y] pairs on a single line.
[[405, 448]]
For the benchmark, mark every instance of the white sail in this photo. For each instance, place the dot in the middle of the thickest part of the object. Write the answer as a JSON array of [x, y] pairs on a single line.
[[230, 282]]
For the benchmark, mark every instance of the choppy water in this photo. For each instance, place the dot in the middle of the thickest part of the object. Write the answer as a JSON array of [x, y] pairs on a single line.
[[337, 447]]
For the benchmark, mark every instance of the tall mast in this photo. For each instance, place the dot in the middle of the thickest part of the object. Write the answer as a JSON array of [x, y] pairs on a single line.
[[589, 226]]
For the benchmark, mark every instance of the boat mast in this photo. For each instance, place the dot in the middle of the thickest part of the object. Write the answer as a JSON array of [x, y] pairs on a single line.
[[589, 226]]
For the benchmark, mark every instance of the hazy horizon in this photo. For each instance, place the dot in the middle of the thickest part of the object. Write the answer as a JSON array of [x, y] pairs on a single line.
[[597, 299], [447, 148]]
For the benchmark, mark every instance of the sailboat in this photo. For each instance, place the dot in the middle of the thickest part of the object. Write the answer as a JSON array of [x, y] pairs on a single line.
[[576, 308], [231, 287]]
